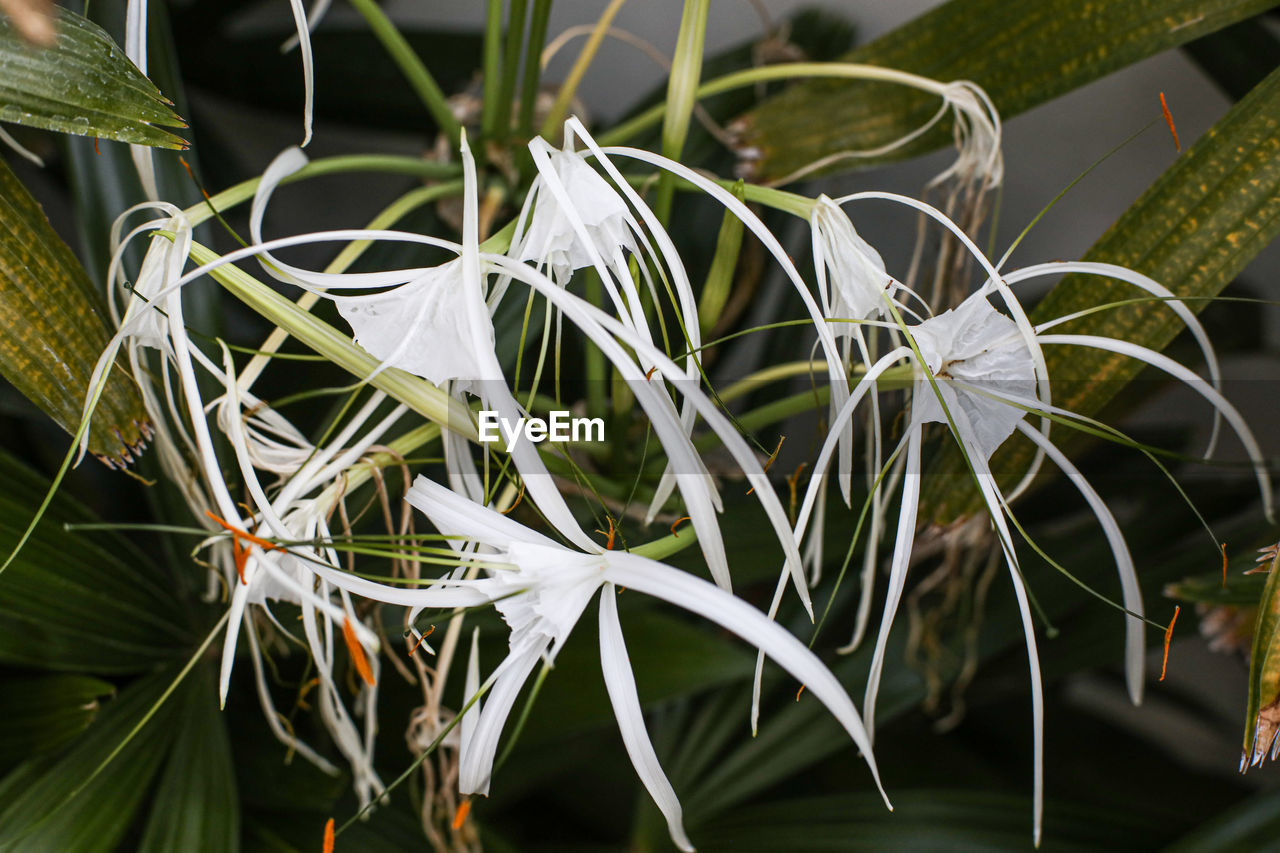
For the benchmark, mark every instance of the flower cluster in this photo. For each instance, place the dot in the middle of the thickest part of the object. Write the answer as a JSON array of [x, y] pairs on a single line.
[[977, 368]]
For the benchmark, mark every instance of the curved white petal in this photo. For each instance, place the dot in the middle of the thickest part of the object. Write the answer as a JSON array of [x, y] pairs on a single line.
[[1135, 644], [621, 685], [476, 758], [711, 602], [897, 574], [1196, 383]]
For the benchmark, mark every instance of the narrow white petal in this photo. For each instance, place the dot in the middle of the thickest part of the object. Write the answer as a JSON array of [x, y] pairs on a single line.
[[1150, 286], [467, 728], [19, 148], [711, 602], [1135, 645], [308, 68], [897, 573], [1196, 383], [476, 764], [621, 684]]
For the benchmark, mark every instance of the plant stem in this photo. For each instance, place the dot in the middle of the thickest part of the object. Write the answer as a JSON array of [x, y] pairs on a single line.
[[686, 73], [533, 64], [784, 71], [429, 92], [492, 79], [510, 67]]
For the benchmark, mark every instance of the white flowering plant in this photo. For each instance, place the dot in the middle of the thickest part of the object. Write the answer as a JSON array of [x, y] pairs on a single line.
[[396, 445]]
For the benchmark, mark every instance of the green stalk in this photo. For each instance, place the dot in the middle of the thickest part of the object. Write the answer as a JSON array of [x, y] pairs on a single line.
[[510, 68], [719, 284], [785, 71], [533, 64], [387, 163], [418, 394], [682, 87], [492, 72], [428, 91]]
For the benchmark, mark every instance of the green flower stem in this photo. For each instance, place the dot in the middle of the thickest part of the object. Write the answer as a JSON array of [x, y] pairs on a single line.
[[418, 394], [411, 66], [492, 79], [390, 164], [719, 283], [787, 202], [560, 109], [397, 449], [682, 87], [784, 71], [533, 64], [510, 67], [393, 213]]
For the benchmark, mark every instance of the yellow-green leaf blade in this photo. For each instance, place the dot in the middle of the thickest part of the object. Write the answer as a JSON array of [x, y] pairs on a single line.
[[1023, 54], [54, 329], [82, 84], [1193, 231]]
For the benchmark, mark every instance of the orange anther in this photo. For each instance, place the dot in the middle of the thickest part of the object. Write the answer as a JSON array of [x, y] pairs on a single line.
[[798, 692], [1168, 635], [677, 524], [460, 816], [328, 836], [422, 639], [768, 463], [611, 534], [649, 373], [357, 653], [1168, 119], [264, 544], [1224, 565]]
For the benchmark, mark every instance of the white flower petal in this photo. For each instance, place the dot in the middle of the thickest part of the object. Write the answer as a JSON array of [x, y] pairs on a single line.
[[476, 757], [1197, 384], [621, 684], [711, 602], [1135, 644], [897, 574]]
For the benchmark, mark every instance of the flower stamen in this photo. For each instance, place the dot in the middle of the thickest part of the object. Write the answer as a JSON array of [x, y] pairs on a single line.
[[358, 656], [460, 816], [1168, 635], [1168, 119]]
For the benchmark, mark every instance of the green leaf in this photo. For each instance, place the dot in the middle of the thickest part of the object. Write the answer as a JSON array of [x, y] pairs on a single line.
[[941, 820], [83, 85], [56, 328], [1262, 718], [80, 602], [196, 805], [1193, 230], [1023, 54], [101, 813], [43, 714], [1252, 825]]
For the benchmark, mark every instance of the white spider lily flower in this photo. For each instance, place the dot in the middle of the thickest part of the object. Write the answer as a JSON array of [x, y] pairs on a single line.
[[135, 48], [541, 589], [574, 218], [976, 373], [977, 133], [972, 344], [617, 339], [432, 322]]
